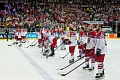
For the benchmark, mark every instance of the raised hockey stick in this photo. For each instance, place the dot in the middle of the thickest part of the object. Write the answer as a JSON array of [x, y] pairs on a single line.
[[31, 43], [73, 62]]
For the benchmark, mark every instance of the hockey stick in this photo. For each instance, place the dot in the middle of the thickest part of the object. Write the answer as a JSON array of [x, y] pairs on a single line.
[[11, 44], [57, 47], [27, 40], [65, 55], [73, 62], [34, 44], [70, 64], [71, 70], [31, 44]]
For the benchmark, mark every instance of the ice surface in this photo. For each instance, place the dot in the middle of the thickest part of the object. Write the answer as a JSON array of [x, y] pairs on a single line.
[[28, 64]]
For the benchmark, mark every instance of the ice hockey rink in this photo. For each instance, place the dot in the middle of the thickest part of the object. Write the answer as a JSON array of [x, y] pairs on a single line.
[[21, 63]]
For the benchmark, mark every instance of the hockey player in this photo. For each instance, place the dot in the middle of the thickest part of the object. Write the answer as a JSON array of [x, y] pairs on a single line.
[[72, 43], [54, 32], [90, 47], [23, 33], [63, 37], [46, 34], [19, 37], [40, 36], [52, 43], [16, 35], [81, 42], [58, 32], [100, 50]]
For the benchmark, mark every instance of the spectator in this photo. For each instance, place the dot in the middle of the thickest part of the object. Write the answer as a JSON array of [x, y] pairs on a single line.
[[7, 33]]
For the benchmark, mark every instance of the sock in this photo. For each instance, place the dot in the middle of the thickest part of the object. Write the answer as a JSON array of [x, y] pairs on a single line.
[[80, 51], [100, 67], [92, 62], [87, 61], [72, 57]]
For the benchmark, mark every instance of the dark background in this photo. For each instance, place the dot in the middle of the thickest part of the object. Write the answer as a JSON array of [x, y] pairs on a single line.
[[2, 6]]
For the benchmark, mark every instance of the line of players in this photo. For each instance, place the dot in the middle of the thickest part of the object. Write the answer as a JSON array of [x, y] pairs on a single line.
[[93, 45], [20, 36], [48, 39]]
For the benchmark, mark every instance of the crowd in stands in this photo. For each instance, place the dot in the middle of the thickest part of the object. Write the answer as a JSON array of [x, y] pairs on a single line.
[[73, 12], [22, 14], [32, 14]]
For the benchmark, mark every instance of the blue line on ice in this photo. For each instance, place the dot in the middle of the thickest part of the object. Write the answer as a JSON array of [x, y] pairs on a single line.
[[41, 71]]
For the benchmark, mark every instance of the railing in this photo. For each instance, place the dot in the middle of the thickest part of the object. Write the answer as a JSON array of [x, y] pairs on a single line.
[[2, 30]]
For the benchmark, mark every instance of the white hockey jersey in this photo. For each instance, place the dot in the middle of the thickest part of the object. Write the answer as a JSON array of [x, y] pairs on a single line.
[[15, 32], [40, 34], [19, 34], [24, 32], [63, 34], [91, 40], [51, 39], [72, 39], [101, 42], [82, 37]]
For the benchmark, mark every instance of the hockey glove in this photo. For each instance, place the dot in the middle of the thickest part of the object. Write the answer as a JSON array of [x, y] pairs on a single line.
[[83, 50], [98, 52], [64, 42], [69, 42]]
